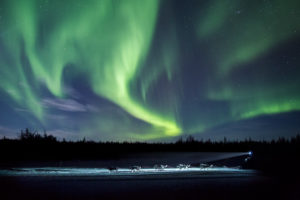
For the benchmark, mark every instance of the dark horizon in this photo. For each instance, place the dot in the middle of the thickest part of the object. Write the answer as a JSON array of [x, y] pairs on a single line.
[[30, 148], [36, 135]]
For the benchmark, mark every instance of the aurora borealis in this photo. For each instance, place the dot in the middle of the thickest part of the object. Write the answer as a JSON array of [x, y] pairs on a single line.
[[148, 69]]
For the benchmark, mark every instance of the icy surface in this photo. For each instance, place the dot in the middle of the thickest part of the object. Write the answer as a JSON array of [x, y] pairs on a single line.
[[61, 171]]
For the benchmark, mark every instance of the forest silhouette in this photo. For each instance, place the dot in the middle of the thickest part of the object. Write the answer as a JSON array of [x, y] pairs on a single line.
[[269, 156]]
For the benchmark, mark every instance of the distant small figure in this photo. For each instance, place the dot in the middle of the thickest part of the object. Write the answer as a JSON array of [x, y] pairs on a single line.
[[183, 166], [135, 168], [203, 165], [112, 169], [250, 154], [160, 167]]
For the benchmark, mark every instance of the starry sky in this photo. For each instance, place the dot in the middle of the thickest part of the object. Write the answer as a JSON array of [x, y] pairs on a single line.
[[150, 70]]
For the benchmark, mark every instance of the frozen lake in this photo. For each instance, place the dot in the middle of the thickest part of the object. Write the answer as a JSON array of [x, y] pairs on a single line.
[[161, 176], [133, 172], [85, 183]]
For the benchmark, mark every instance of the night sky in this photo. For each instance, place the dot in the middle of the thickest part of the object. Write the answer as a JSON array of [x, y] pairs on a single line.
[[150, 70]]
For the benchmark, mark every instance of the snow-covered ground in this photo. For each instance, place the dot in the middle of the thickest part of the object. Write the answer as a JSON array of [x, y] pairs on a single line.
[[61, 171]]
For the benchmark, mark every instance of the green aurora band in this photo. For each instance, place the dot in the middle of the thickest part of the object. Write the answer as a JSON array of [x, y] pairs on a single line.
[[243, 31], [109, 42]]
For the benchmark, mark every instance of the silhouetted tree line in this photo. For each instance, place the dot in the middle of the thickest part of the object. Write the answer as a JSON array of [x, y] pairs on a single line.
[[34, 146], [35, 137], [29, 136]]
